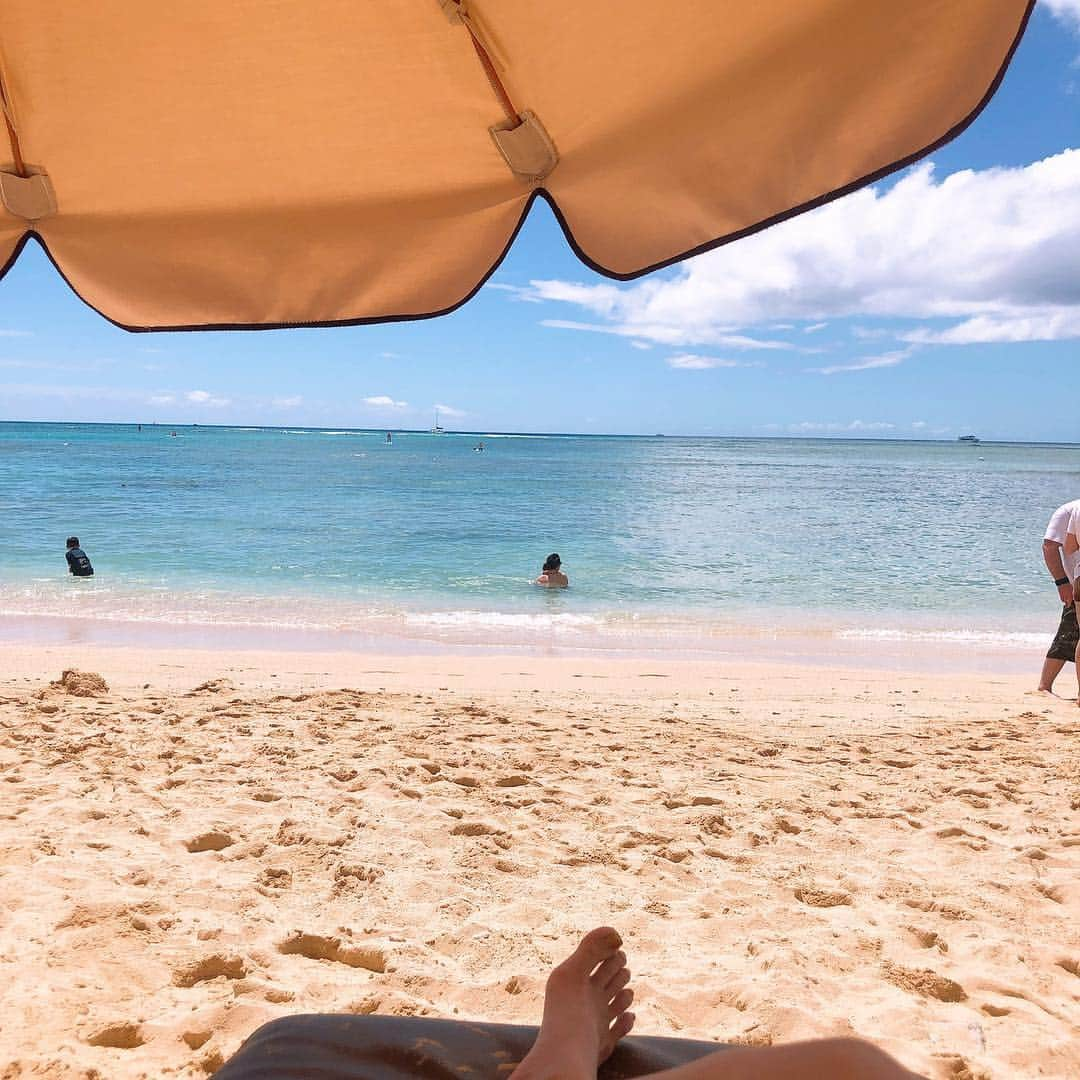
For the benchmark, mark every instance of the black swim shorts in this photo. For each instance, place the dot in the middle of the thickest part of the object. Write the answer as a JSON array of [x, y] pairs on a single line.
[[1063, 646]]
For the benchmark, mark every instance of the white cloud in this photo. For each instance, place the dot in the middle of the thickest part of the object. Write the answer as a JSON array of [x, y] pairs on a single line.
[[813, 328], [640, 345], [867, 363], [204, 397], [1068, 11], [518, 292], [161, 399], [390, 355], [670, 335], [693, 362], [384, 401], [287, 402], [1000, 245], [984, 329], [16, 333], [449, 410]]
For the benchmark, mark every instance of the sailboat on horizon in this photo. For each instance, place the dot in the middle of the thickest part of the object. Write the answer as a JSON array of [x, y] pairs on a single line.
[[435, 428]]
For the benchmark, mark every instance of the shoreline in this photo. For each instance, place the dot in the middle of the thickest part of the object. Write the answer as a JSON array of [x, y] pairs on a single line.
[[897, 650], [129, 668]]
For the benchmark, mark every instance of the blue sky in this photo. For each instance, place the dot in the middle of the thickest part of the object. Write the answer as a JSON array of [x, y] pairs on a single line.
[[957, 310]]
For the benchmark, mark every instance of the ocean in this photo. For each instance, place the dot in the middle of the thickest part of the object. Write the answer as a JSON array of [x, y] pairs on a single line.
[[670, 543]]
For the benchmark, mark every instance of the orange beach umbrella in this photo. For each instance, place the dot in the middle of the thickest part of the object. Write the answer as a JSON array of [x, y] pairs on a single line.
[[287, 162]]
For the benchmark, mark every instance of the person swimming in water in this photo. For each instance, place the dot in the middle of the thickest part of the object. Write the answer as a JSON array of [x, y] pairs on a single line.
[[77, 560], [552, 576]]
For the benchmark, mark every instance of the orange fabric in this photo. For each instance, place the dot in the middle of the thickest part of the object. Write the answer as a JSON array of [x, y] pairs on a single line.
[[258, 162]]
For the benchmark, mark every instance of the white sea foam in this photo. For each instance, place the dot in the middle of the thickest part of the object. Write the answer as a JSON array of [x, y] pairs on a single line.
[[518, 620], [1004, 638]]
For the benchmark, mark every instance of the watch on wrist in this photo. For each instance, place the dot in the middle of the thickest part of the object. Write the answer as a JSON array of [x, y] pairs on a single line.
[[1061, 581]]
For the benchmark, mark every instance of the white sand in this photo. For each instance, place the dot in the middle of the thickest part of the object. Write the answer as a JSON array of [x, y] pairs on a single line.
[[788, 852]]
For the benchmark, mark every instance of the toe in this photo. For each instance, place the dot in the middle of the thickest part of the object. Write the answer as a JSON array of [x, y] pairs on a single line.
[[609, 969], [617, 983], [620, 1003], [596, 946], [623, 1025]]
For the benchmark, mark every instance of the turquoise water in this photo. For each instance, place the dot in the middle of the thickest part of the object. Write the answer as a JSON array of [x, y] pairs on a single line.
[[325, 528]]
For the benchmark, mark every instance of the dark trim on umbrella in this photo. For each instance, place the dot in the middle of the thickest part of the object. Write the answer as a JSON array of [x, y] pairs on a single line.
[[543, 193]]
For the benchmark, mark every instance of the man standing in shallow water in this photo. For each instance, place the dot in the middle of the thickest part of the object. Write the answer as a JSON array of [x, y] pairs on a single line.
[[1062, 565]]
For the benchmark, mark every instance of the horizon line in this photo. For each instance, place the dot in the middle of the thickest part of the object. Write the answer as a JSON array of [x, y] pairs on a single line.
[[821, 437]]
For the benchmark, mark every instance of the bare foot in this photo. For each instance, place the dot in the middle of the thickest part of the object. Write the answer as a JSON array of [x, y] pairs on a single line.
[[584, 1012]]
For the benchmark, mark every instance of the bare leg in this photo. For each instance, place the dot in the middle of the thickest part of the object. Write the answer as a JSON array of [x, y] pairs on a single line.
[[1050, 671], [585, 1016], [584, 1012], [835, 1059], [1076, 656]]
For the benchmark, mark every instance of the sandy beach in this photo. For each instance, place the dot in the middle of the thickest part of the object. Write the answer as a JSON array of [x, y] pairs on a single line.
[[221, 838]]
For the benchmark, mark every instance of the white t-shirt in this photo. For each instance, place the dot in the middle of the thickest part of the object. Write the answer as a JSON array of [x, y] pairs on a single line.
[[1065, 520]]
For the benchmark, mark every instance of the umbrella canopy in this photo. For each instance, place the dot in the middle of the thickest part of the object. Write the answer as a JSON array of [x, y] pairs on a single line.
[[295, 162]]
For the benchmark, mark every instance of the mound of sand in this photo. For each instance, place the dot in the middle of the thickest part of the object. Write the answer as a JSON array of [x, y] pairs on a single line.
[[81, 683]]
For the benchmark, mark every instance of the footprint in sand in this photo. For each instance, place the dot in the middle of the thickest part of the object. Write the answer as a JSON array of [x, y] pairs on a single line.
[[275, 878], [971, 840], [318, 947], [944, 909], [212, 686], [122, 1036], [210, 967], [349, 876], [924, 981], [215, 840], [926, 939], [515, 780], [1051, 892], [266, 990], [475, 828], [812, 896]]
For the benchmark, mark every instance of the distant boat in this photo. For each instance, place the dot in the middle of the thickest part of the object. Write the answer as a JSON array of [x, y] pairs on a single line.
[[435, 429], [968, 438]]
